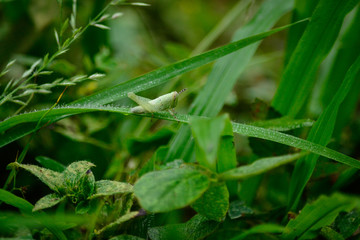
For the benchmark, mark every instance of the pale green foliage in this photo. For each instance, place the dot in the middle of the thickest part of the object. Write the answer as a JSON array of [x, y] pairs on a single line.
[[48, 201], [76, 182]]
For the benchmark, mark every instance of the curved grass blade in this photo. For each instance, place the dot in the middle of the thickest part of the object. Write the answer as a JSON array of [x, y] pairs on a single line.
[[316, 42], [224, 75], [320, 133], [259, 166], [161, 75], [143, 82], [244, 129]]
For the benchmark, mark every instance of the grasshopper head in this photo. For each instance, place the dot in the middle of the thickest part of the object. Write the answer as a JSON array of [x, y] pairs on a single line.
[[175, 96]]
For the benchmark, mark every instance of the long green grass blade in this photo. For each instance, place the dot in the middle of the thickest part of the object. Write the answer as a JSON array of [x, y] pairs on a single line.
[[320, 133], [161, 75], [143, 82], [259, 166], [225, 74], [244, 129], [320, 213], [298, 77], [347, 52], [302, 9]]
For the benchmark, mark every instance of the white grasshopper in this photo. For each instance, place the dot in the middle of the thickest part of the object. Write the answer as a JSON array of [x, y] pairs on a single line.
[[165, 102]]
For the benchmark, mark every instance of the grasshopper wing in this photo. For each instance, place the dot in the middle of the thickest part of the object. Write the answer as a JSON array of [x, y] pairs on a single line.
[[144, 104]]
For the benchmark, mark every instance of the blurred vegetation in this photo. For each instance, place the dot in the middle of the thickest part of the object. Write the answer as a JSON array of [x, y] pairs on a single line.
[[293, 81]]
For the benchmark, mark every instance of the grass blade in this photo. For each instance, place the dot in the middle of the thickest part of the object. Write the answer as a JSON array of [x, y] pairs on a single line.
[[225, 74], [244, 129], [161, 75], [316, 42], [320, 133], [259, 166], [143, 82]]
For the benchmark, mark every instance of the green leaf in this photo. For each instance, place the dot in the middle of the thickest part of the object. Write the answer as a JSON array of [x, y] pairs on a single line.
[[214, 203], [207, 136], [196, 228], [50, 163], [261, 228], [330, 234], [238, 209], [297, 80], [54, 180], [260, 166], [225, 74], [320, 133], [347, 223], [320, 213], [283, 124], [79, 181], [117, 92], [167, 190], [117, 222], [48, 201], [347, 52], [214, 143], [140, 144], [107, 188], [302, 9], [82, 207]]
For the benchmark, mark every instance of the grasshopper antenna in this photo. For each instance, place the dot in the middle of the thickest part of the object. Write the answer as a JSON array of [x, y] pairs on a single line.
[[182, 90]]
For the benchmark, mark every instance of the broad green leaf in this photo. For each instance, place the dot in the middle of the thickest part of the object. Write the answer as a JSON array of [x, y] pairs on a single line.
[[214, 142], [320, 213], [214, 203], [224, 75], [79, 180], [166, 190], [239, 209], [107, 187], [260, 166], [283, 123], [50, 163], [320, 133], [226, 154], [261, 228], [48, 201], [298, 77], [196, 228], [82, 207], [207, 136], [117, 222], [117, 92], [54, 180]]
